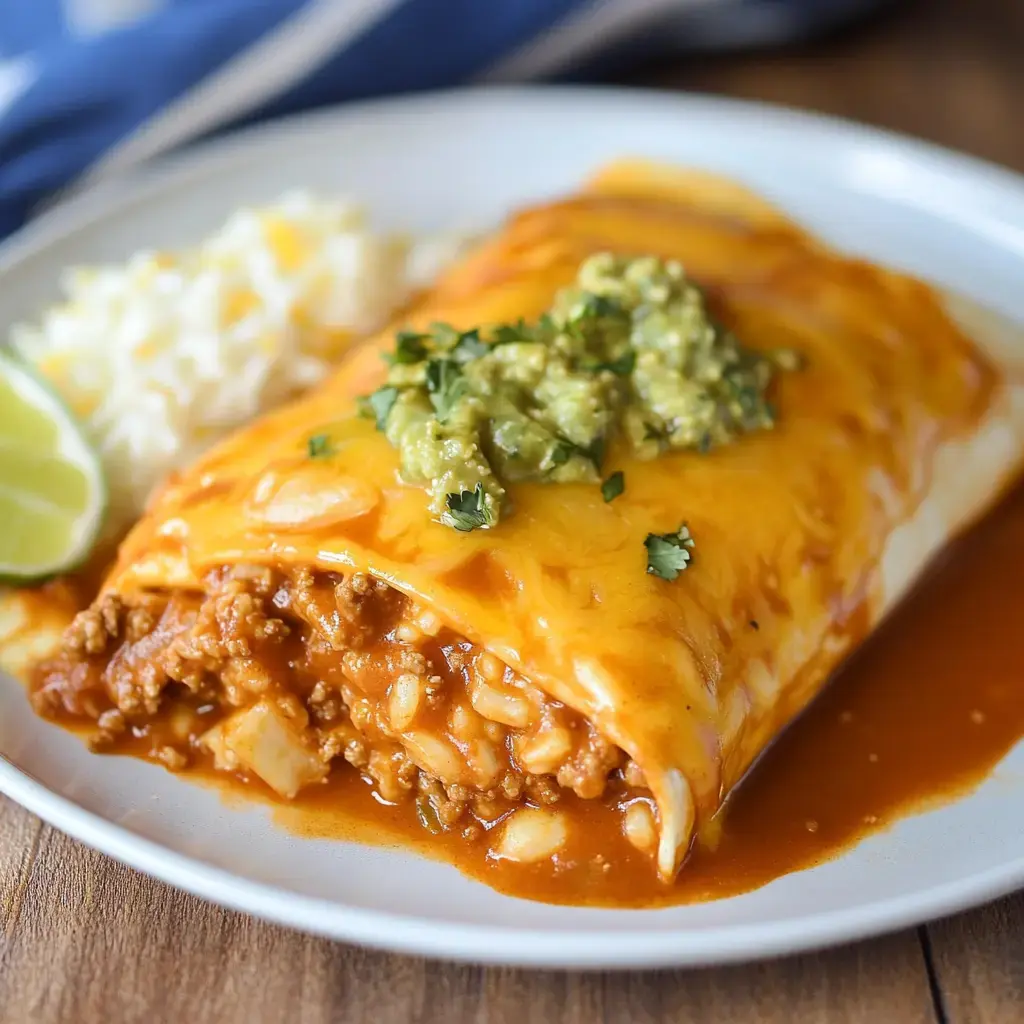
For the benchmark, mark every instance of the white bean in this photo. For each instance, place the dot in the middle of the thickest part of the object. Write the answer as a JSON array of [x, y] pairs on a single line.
[[490, 667], [544, 753], [407, 694], [530, 835], [434, 756], [428, 622], [499, 706], [483, 759], [464, 725], [639, 826]]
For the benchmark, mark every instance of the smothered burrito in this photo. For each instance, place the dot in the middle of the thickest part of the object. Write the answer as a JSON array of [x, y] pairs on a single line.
[[594, 522]]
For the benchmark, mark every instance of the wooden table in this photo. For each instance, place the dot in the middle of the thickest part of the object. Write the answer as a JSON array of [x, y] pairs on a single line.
[[88, 940]]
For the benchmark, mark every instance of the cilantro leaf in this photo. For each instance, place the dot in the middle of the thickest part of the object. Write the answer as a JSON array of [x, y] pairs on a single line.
[[668, 554], [379, 404], [613, 486], [444, 334], [438, 373], [467, 510], [546, 327], [410, 347], [446, 386], [621, 366], [592, 306], [562, 451], [462, 346], [319, 446], [510, 334], [595, 451], [469, 347]]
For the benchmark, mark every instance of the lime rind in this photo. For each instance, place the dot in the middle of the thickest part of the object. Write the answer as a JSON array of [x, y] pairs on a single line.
[[25, 509]]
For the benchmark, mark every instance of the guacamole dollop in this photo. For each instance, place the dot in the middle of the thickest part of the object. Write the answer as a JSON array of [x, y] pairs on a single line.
[[629, 351]]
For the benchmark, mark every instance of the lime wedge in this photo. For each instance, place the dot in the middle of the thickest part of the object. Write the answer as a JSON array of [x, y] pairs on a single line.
[[52, 493]]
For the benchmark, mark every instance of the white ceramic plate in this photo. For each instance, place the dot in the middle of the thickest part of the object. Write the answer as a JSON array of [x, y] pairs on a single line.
[[439, 161]]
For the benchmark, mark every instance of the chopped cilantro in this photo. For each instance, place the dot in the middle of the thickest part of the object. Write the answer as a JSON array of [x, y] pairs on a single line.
[[562, 451], [463, 346], [410, 347], [595, 452], [622, 366], [444, 334], [467, 510], [319, 446], [668, 554], [591, 306], [510, 334], [613, 486], [469, 347], [627, 355], [378, 405], [445, 385]]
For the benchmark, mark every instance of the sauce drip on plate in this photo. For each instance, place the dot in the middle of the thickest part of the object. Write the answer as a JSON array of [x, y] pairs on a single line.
[[919, 716]]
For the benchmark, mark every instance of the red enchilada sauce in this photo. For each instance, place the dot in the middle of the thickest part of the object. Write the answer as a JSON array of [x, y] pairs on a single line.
[[920, 715]]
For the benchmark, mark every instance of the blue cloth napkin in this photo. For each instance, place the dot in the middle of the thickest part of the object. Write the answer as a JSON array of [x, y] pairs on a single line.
[[100, 85]]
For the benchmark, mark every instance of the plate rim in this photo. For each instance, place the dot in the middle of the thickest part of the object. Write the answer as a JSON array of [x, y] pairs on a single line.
[[465, 941], [83, 206], [569, 949]]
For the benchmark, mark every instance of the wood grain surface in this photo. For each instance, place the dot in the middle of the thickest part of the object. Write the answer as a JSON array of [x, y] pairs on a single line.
[[88, 940]]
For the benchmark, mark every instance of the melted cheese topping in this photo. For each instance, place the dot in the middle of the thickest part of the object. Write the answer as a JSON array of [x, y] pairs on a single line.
[[692, 678]]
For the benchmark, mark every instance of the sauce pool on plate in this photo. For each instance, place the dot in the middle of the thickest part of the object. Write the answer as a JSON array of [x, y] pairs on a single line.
[[919, 716]]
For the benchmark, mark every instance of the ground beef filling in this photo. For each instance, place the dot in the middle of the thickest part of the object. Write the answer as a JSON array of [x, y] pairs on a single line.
[[281, 676]]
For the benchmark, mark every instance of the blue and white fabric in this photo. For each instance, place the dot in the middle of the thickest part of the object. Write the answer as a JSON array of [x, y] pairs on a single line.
[[100, 85]]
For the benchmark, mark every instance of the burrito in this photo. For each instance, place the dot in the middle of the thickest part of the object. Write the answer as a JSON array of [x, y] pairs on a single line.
[[594, 522]]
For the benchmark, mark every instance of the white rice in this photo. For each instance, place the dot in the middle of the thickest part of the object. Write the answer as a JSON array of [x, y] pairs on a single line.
[[162, 356]]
